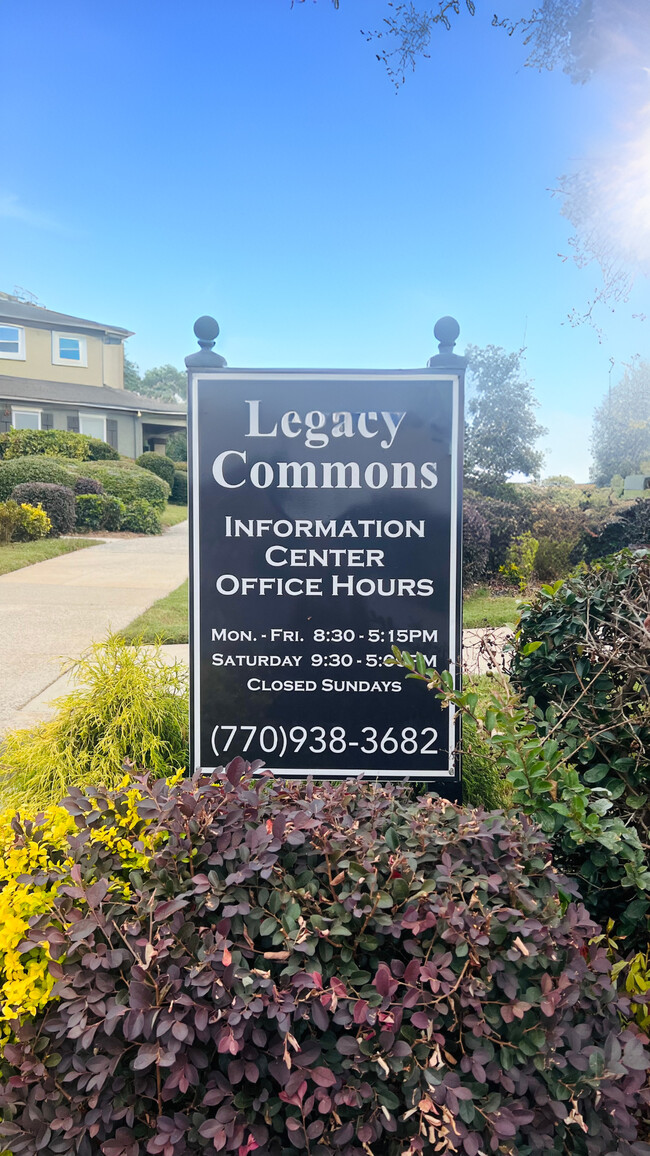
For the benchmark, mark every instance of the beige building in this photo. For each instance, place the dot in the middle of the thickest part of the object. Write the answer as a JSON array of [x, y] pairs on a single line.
[[63, 372]]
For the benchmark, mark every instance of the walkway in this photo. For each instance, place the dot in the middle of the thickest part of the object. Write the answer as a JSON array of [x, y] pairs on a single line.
[[56, 609]]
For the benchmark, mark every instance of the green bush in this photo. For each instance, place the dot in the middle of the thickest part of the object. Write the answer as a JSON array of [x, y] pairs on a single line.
[[35, 469], [476, 544], [100, 451], [57, 501], [98, 512], [158, 464], [179, 488], [129, 704], [582, 654], [20, 443], [22, 522], [140, 518], [553, 559], [127, 481], [334, 970], [176, 447], [505, 520], [520, 560], [629, 529]]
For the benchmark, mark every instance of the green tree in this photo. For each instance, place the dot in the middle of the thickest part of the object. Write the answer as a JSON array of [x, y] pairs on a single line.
[[176, 447], [501, 430], [131, 375], [620, 437], [165, 382]]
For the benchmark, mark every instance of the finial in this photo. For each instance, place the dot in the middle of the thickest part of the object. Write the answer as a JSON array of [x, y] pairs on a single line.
[[206, 330], [446, 331]]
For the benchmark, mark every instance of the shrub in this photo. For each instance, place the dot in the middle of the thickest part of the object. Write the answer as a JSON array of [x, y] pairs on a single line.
[[98, 512], [129, 704], [57, 501], [19, 443], [141, 518], [476, 543], [582, 654], [553, 559], [158, 464], [100, 451], [179, 489], [22, 523], [317, 970], [631, 528], [127, 481], [88, 486], [506, 520], [520, 560], [181, 466], [34, 469], [176, 447]]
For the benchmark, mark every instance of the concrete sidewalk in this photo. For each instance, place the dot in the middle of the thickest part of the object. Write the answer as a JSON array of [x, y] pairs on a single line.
[[55, 609]]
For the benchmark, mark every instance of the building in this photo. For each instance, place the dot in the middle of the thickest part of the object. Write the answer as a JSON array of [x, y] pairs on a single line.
[[62, 372], [637, 486]]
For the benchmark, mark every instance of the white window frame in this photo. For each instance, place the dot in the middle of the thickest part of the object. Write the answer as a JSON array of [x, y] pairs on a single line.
[[20, 355], [95, 417], [25, 409], [83, 349]]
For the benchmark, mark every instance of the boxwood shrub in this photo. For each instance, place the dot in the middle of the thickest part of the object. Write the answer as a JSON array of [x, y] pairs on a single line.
[[179, 489], [141, 518], [331, 970], [100, 451], [17, 443], [98, 512], [57, 501], [158, 464], [36, 468], [127, 481]]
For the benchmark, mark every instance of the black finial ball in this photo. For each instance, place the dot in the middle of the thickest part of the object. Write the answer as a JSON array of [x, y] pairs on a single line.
[[446, 330], [206, 328]]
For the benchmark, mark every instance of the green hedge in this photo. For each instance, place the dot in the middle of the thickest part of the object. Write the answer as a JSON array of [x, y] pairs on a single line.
[[129, 482], [160, 465], [141, 518], [36, 468], [179, 489], [98, 512], [20, 443]]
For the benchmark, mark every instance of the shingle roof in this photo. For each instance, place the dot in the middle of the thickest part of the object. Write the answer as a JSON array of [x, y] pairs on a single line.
[[69, 393], [37, 315]]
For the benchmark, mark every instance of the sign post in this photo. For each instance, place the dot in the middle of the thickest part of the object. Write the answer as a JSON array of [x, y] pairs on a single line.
[[326, 522]]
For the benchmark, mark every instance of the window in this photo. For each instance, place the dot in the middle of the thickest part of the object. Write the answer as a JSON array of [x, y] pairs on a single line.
[[12, 342], [26, 418], [69, 349], [92, 426]]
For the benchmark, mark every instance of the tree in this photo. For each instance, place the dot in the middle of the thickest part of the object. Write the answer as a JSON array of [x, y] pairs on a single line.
[[176, 447], [501, 429], [620, 438], [131, 376], [164, 382]]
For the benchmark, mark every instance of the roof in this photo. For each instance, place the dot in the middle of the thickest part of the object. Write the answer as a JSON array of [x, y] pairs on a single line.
[[69, 393], [12, 310]]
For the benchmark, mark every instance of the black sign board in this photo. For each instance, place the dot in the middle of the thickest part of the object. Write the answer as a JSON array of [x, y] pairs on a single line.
[[326, 527]]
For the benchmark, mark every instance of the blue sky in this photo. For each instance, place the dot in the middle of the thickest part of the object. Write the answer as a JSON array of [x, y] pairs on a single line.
[[253, 161]]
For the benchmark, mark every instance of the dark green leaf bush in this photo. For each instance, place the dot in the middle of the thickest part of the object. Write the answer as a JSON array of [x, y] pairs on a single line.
[[179, 489], [88, 486], [336, 970], [177, 446], [38, 468], [57, 501], [140, 518], [127, 481], [476, 543], [630, 528], [100, 451], [582, 655], [505, 520], [98, 512], [158, 464], [553, 559]]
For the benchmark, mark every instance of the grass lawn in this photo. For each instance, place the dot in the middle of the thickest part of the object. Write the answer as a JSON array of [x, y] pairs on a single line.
[[485, 609], [15, 555], [165, 621], [172, 515]]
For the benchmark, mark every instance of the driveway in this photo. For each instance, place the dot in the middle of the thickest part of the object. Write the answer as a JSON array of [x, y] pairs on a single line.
[[55, 609]]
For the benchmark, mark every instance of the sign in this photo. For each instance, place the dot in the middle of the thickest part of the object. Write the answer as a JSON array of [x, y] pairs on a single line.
[[326, 528]]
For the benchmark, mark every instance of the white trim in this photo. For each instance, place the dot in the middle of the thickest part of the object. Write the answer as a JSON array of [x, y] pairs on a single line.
[[20, 355], [92, 417], [57, 359], [25, 409]]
